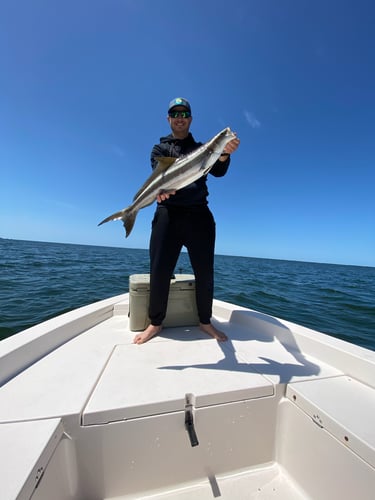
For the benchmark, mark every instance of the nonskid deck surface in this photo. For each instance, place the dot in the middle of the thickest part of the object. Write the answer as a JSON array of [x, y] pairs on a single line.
[[182, 353], [184, 361]]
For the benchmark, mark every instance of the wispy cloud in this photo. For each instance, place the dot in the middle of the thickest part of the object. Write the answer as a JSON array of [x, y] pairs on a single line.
[[251, 119], [60, 204], [116, 150]]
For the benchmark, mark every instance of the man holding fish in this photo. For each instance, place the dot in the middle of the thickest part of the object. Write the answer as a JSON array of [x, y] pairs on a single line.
[[182, 218]]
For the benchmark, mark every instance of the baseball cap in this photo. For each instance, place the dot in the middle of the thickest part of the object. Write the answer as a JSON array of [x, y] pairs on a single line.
[[179, 101]]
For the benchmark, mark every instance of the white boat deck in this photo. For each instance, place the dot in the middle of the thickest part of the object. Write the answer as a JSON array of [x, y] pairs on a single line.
[[99, 379], [95, 365]]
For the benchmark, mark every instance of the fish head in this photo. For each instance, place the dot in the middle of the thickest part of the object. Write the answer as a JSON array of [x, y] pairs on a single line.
[[220, 140], [229, 134]]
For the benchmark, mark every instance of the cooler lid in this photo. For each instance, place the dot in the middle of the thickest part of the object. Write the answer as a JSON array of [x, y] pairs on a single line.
[[154, 378], [139, 282]]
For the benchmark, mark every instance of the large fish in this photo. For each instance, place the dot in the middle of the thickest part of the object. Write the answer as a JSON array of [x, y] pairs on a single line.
[[172, 174]]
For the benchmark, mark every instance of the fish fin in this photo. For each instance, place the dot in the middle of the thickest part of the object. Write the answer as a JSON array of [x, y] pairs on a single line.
[[164, 162], [115, 216], [129, 222], [167, 191], [127, 215], [204, 166]]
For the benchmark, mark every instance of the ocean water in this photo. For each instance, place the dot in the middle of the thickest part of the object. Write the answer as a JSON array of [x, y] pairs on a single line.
[[40, 280]]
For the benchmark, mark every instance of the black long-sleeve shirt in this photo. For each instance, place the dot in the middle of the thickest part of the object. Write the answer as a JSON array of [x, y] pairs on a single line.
[[196, 193]]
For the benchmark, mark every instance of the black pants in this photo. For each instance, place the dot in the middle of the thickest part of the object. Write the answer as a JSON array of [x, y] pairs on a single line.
[[173, 228]]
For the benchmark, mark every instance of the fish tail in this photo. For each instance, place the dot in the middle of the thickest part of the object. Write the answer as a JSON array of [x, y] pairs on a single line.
[[127, 215]]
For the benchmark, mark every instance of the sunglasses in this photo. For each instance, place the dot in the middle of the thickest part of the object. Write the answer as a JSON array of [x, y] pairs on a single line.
[[179, 114]]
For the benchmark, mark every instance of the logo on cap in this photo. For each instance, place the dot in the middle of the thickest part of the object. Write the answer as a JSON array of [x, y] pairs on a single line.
[[179, 101]]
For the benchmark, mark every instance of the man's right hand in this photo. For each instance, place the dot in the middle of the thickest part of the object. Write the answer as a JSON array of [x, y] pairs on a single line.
[[164, 195]]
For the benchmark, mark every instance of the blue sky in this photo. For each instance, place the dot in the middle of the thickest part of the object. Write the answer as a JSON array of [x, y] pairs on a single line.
[[84, 90]]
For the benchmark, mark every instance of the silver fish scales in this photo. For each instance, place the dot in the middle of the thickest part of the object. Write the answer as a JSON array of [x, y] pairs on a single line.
[[172, 174]]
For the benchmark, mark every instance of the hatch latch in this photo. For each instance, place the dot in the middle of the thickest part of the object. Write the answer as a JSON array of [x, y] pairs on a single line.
[[189, 420]]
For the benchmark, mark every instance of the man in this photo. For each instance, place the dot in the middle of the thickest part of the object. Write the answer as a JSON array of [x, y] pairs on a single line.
[[182, 219]]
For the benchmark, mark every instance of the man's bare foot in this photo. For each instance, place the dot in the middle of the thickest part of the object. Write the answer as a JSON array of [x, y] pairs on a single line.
[[213, 332], [147, 334]]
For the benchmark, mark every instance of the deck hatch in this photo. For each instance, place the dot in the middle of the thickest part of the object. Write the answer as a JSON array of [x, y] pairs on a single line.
[[342, 406], [154, 379]]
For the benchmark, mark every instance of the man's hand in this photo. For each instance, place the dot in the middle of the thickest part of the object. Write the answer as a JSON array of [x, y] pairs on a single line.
[[165, 195], [230, 148]]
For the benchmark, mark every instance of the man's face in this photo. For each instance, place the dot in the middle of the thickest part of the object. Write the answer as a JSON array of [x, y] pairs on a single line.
[[179, 123]]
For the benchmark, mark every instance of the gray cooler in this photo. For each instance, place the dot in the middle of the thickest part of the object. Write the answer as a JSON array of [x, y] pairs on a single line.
[[181, 310]]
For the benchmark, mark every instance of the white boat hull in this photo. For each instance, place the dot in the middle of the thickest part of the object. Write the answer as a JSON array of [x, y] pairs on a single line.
[[279, 411]]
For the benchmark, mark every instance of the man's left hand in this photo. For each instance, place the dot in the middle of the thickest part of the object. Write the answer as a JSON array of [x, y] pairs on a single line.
[[232, 146]]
